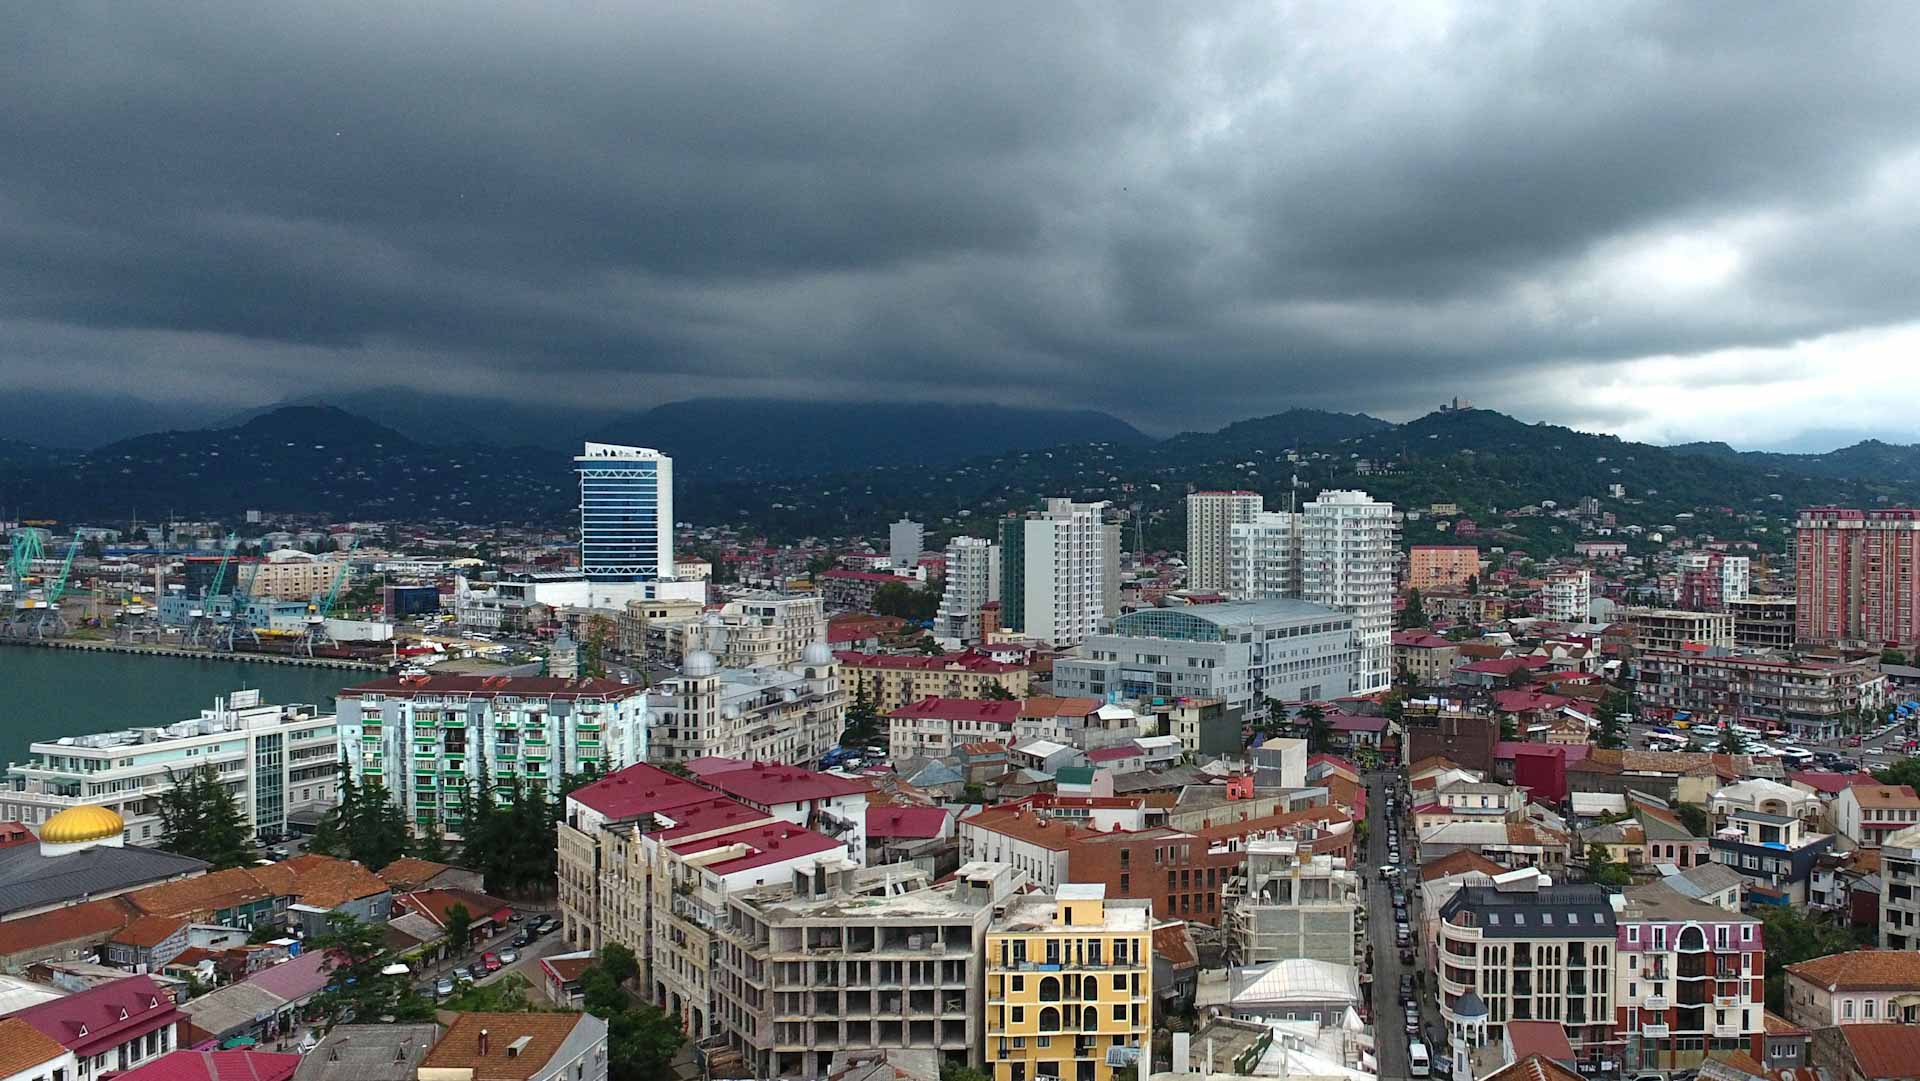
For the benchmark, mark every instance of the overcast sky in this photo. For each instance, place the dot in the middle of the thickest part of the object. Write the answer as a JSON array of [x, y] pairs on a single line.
[[1671, 221]]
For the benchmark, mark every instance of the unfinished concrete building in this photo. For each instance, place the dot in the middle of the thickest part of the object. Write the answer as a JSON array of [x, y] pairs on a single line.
[[853, 959], [1290, 904]]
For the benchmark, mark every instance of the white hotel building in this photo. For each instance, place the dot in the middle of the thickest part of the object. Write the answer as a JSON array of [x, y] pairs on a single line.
[[272, 758]]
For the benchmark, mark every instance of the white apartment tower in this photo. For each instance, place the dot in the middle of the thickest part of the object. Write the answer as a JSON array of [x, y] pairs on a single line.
[[1263, 557], [905, 539], [1346, 562], [973, 579], [1567, 596], [1211, 517], [1060, 572]]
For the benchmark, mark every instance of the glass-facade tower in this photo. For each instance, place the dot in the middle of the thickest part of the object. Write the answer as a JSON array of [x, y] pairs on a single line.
[[626, 513]]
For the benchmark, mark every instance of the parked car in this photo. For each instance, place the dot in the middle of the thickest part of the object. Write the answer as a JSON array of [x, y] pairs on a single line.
[[443, 986], [490, 961], [278, 853], [462, 974], [516, 917], [524, 938], [509, 956], [546, 926], [1413, 1025]]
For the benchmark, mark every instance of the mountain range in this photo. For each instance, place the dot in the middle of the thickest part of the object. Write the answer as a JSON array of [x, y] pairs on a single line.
[[827, 469]]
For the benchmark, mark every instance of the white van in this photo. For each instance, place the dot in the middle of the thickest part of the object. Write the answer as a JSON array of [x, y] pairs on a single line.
[[1418, 1064]]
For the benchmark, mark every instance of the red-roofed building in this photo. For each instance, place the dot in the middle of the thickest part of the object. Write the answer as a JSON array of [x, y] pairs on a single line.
[[893, 825], [488, 914], [934, 727], [15, 833], [893, 680], [216, 1066], [1119, 758], [826, 802], [113, 1027], [1498, 672], [596, 835]]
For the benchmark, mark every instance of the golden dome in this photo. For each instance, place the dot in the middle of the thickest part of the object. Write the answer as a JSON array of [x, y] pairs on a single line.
[[76, 825]]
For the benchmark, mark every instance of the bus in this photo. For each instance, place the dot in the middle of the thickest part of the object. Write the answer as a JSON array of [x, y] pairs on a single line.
[[1418, 1064], [1797, 756], [1660, 741]]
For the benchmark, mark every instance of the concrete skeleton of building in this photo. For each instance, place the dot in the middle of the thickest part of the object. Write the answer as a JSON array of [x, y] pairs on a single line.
[[973, 579], [1900, 891], [1857, 575], [1069, 986], [272, 758], [1290, 904], [426, 737], [845, 959], [1060, 572], [1211, 517], [1567, 596], [1763, 622], [769, 714], [1670, 628], [1338, 551], [1242, 652]]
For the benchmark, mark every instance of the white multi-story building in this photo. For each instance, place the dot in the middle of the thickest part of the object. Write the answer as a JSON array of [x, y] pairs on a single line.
[[427, 737], [270, 757], [973, 579], [768, 714], [905, 540], [1060, 572], [1567, 596], [1346, 562], [759, 630], [1211, 517], [1263, 557]]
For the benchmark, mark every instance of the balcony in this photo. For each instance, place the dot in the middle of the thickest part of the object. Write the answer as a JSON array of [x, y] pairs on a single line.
[[1726, 1032], [1728, 1001], [1653, 1032], [1656, 1002]]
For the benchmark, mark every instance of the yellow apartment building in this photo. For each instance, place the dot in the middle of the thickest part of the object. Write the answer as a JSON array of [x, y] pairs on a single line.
[[1069, 986]]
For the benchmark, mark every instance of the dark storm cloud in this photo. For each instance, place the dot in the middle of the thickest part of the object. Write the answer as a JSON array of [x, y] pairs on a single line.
[[1184, 213]]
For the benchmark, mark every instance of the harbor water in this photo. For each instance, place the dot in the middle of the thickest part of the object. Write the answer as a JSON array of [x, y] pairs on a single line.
[[49, 693]]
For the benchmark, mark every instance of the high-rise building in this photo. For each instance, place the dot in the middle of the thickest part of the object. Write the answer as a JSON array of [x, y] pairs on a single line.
[[1567, 596], [1441, 566], [1069, 986], [426, 738], [905, 539], [1060, 572], [1263, 557], [1710, 581], [1211, 517], [1857, 575], [1337, 551], [1346, 562], [626, 513], [973, 577]]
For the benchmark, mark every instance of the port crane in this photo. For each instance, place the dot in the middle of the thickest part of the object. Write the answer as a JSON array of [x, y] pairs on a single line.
[[23, 551], [238, 623], [39, 617], [321, 606], [201, 624]]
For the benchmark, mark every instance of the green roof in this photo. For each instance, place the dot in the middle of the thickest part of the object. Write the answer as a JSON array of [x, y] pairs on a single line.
[[1074, 775]]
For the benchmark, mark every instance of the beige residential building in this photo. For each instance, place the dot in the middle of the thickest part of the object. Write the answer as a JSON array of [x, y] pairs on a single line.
[[846, 959], [1531, 952], [1211, 517], [786, 715], [1855, 988], [1669, 628], [291, 575], [761, 630], [893, 680]]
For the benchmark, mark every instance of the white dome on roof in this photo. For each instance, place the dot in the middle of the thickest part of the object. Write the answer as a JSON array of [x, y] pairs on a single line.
[[700, 664], [817, 653]]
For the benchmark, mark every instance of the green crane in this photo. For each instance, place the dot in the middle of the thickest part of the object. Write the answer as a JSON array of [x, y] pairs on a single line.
[[24, 552], [202, 625], [321, 606], [238, 622], [43, 619]]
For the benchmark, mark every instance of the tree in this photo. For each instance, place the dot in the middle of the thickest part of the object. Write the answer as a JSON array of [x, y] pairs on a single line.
[[641, 1041], [1730, 741], [1319, 729], [430, 843], [200, 818], [998, 693], [1611, 736], [599, 644], [620, 963], [953, 1071], [1473, 585], [1905, 771], [357, 987], [1694, 817], [459, 927], [1415, 613], [863, 720], [379, 834], [906, 601], [1793, 935], [1602, 870], [1892, 656]]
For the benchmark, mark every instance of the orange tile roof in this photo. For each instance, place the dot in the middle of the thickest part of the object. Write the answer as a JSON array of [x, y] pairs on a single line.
[[1022, 825], [1533, 1068], [1862, 970], [321, 881], [459, 1049], [88, 920], [148, 931], [1884, 1049], [1777, 1025], [1460, 862], [1878, 796], [1050, 706], [22, 1047], [1173, 942]]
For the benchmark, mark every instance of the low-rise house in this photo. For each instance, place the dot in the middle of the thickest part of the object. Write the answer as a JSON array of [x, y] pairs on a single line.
[[369, 1053], [935, 727], [147, 943], [1864, 816], [1859, 986], [409, 873], [1774, 853], [1118, 758], [216, 1066], [1869, 1052], [112, 1028], [520, 1047], [263, 1006], [27, 1054]]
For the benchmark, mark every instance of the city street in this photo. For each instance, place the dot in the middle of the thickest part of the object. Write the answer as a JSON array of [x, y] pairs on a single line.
[[527, 966], [1390, 1038]]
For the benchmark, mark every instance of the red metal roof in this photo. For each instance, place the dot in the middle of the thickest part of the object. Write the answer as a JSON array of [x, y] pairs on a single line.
[[716, 813], [105, 1016], [215, 1066], [774, 842], [769, 785], [910, 823], [984, 710], [950, 662], [638, 790]]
